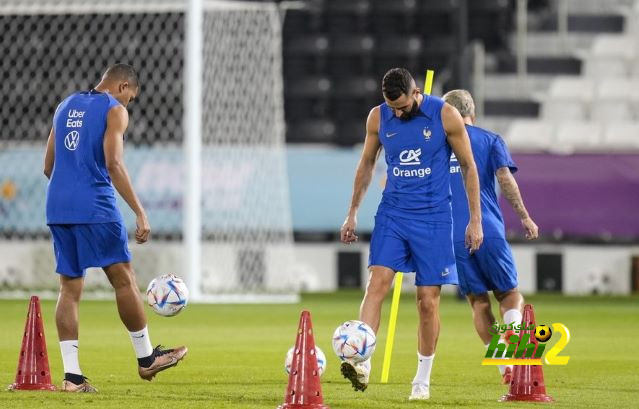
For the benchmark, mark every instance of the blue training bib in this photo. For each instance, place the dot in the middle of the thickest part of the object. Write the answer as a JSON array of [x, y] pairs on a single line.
[[490, 153], [80, 189], [417, 155]]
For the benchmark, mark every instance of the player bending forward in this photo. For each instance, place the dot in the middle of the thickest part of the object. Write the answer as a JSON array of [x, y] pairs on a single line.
[[413, 225], [83, 162], [491, 268]]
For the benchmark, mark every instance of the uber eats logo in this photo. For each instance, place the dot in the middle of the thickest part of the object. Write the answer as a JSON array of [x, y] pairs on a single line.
[[521, 345]]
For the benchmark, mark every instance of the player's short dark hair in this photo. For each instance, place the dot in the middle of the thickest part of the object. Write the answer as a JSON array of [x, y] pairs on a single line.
[[122, 72], [397, 81]]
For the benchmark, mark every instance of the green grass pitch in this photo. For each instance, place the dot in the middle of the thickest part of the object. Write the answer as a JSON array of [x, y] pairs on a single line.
[[236, 356]]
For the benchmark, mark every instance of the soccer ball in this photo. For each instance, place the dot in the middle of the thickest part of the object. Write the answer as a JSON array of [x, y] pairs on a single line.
[[167, 295], [321, 360], [354, 341], [542, 333]]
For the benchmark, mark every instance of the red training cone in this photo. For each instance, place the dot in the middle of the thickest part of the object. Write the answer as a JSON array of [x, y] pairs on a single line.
[[304, 389], [527, 382], [33, 365]]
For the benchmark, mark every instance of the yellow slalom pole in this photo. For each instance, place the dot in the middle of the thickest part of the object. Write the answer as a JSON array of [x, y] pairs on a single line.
[[428, 83], [390, 335], [399, 276]]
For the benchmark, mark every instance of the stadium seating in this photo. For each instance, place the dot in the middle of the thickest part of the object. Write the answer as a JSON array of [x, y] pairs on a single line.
[[622, 136], [351, 44], [591, 110], [529, 136], [312, 131], [611, 55], [578, 137]]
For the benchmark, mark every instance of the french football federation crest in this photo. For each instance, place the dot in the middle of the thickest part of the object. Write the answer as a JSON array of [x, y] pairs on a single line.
[[426, 132]]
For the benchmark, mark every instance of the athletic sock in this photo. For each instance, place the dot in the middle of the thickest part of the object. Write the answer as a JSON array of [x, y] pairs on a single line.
[[146, 361], [502, 368], [70, 361], [74, 378], [511, 316], [142, 346], [424, 365]]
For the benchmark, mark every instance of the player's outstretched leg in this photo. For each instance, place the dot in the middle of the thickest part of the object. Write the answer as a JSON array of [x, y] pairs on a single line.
[[66, 319], [483, 319], [150, 360], [380, 280], [511, 304], [428, 333]]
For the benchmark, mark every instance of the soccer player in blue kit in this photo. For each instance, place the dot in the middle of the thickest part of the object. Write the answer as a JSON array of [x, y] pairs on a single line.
[[84, 162], [492, 267], [413, 225]]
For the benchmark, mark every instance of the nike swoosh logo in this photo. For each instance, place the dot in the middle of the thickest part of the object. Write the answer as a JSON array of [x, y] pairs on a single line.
[[173, 362], [445, 273], [141, 336], [390, 135], [75, 346]]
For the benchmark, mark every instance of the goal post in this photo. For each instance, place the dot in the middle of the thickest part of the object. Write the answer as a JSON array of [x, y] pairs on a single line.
[[205, 146]]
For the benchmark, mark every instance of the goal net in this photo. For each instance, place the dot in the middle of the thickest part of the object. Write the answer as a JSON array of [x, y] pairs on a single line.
[[246, 210], [53, 48]]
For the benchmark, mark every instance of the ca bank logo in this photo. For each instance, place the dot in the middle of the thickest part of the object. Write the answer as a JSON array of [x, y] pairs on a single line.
[[410, 157], [71, 140]]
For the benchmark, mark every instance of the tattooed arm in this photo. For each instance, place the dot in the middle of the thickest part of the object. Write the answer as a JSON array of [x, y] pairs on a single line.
[[509, 188]]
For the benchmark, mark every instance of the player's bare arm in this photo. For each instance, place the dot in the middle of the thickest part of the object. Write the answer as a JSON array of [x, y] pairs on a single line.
[[49, 155], [460, 143], [510, 189], [363, 174], [117, 122]]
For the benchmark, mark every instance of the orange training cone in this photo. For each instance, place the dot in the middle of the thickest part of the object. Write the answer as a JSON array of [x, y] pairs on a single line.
[[527, 382], [304, 389], [33, 365]]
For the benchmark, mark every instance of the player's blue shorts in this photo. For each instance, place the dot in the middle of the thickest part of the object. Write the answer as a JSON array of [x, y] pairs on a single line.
[[490, 268], [410, 245], [79, 246]]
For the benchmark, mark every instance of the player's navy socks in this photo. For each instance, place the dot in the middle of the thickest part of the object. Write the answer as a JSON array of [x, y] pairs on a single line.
[[146, 361], [74, 378]]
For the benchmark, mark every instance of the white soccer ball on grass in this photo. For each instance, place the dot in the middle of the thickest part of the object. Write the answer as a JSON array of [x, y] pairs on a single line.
[[321, 360], [354, 341]]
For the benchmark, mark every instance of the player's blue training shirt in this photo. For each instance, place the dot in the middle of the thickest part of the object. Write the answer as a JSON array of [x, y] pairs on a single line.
[[80, 189], [417, 155], [490, 153]]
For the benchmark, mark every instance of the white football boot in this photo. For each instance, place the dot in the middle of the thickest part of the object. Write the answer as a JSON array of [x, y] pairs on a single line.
[[420, 392], [358, 373]]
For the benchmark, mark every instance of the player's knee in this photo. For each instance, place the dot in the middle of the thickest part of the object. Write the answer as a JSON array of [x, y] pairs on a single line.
[[376, 288], [428, 305], [378, 285], [70, 293], [125, 279], [479, 302], [502, 295]]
